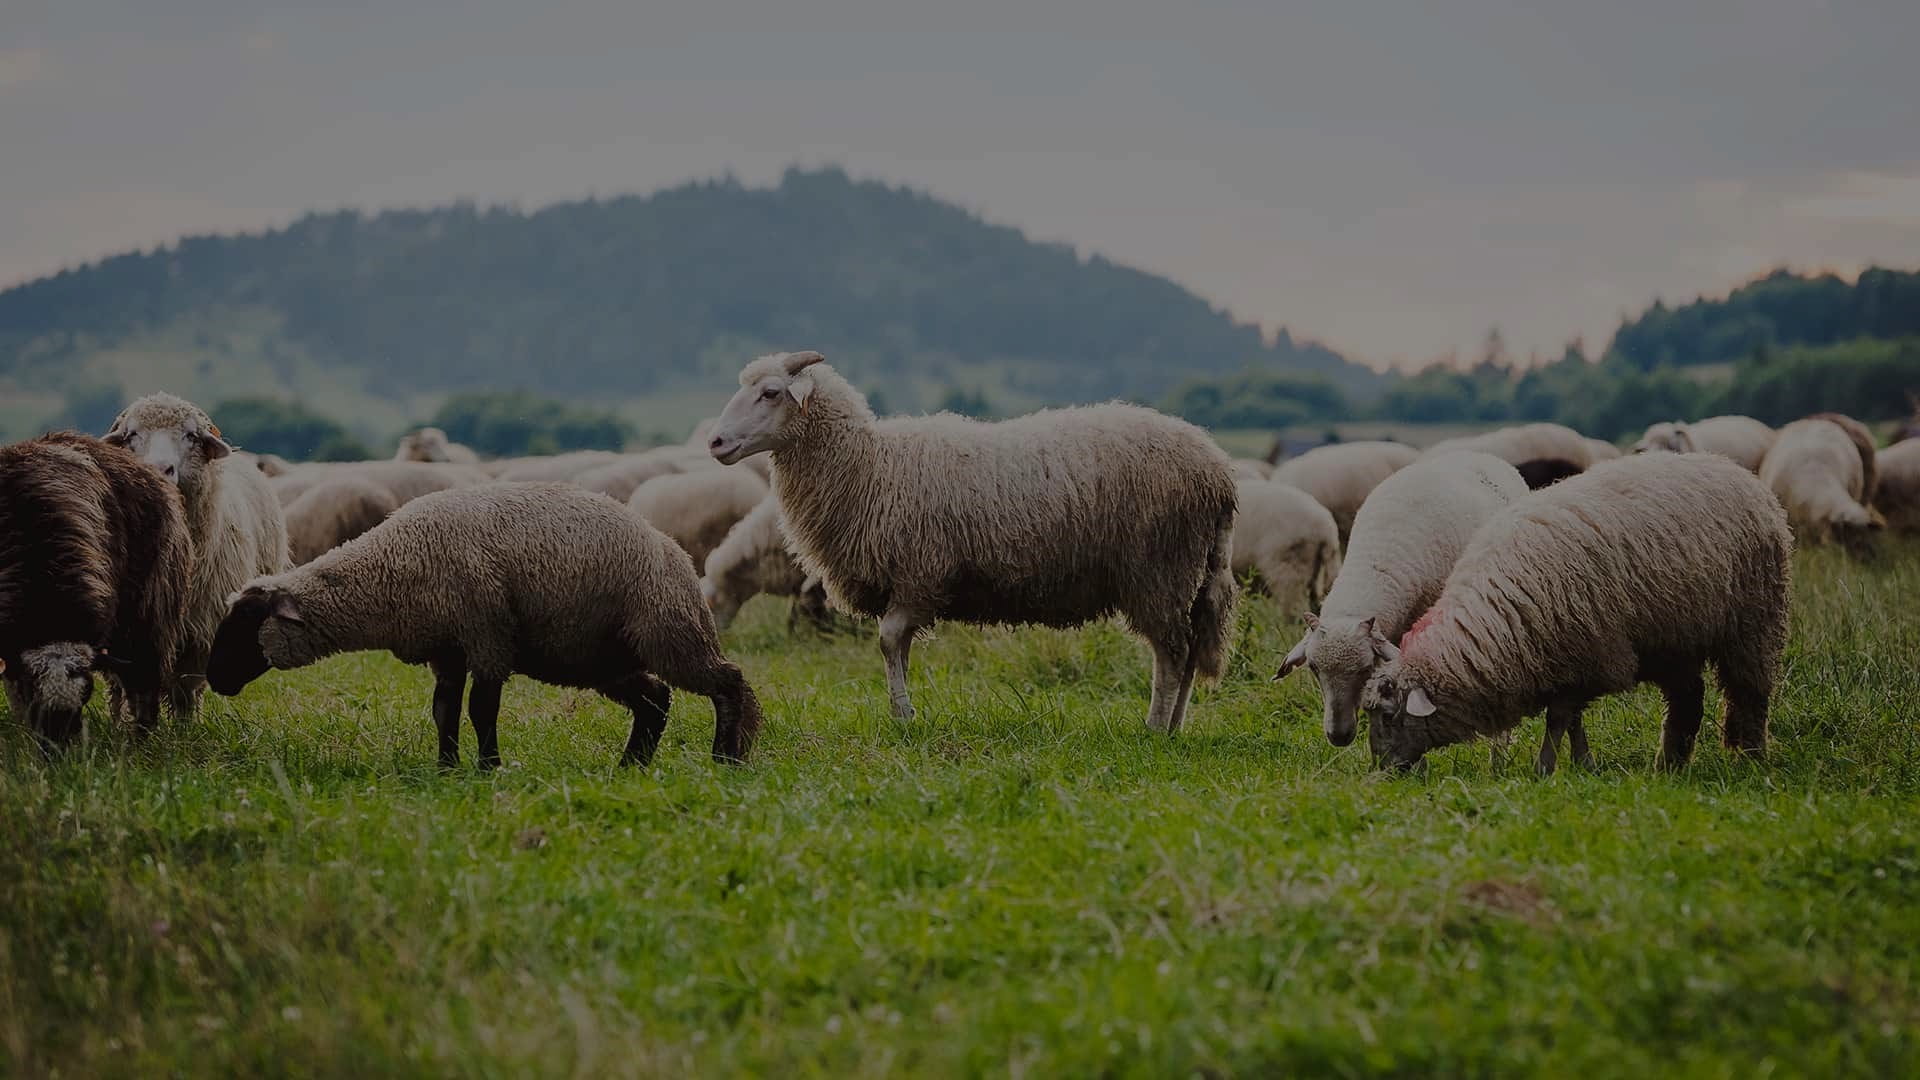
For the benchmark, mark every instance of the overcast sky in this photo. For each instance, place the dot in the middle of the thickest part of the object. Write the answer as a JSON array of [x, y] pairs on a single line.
[[1390, 178]]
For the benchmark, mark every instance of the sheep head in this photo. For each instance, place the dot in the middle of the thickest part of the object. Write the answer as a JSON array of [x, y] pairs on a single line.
[[1674, 437], [57, 680], [1343, 654], [1399, 708], [172, 435], [773, 391], [263, 629]]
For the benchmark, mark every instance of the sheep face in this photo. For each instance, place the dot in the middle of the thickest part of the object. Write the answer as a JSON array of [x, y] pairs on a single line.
[[1398, 709], [171, 435], [773, 391], [1670, 437], [1343, 655], [427, 444], [56, 681], [261, 623]]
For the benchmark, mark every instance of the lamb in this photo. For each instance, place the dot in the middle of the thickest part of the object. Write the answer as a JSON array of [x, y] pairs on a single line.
[[1528, 442], [540, 579], [1340, 476], [1815, 469], [432, 444], [1405, 542], [1898, 499], [95, 567], [404, 480], [1739, 438], [1057, 518], [1287, 540], [232, 515], [698, 509], [333, 512], [753, 559], [1639, 570]]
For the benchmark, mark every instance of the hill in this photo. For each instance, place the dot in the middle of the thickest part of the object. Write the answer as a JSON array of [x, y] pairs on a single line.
[[1780, 310], [651, 301]]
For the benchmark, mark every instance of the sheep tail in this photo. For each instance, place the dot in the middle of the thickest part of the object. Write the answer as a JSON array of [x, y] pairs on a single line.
[[1212, 614]]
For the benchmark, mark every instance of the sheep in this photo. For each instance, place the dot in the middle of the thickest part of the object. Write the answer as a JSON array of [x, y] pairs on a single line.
[[1815, 469], [1528, 442], [618, 478], [1601, 450], [1864, 445], [551, 467], [540, 579], [753, 559], [1739, 438], [1340, 476], [697, 509], [1406, 540], [270, 465], [95, 567], [1288, 540], [1058, 518], [233, 518], [1545, 472], [404, 480], [1251, 469], [333, 512], [432, 444], [1898, 499], [1642, 569]]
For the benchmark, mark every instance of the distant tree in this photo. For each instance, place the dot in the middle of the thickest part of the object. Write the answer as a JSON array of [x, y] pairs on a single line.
[[287, 428], [965, 402], [510, 423]]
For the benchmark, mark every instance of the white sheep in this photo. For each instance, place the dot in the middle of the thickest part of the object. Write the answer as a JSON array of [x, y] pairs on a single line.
[[1405, 542], [1341, 475], [404, 480], [1527, 442], [1642, 569], [753, 559], [432, 444], [1056, 518], [618, 478], [232, 516], [333, 512], [1287, 540], [1898, 499], [1815, 470], [697, 509], [550, 467], [1737, 438]]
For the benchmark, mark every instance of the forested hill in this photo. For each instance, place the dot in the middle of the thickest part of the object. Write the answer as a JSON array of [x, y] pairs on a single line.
[[637, 294], [1780, 310]]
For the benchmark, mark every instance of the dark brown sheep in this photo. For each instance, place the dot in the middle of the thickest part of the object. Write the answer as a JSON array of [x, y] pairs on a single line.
[[95, 564]]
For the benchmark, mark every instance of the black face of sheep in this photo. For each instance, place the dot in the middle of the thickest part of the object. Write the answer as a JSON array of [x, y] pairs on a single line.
[[1394, 733], [238, 657], [1544, 472]]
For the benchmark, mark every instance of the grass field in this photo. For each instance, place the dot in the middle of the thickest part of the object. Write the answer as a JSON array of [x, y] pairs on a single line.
[[1021, 881]]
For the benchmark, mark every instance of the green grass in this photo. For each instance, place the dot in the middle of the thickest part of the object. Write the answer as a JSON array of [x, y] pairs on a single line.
[[1021, 881]]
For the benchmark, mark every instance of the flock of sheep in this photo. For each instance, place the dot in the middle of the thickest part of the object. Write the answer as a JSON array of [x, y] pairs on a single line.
[[1457, 590]]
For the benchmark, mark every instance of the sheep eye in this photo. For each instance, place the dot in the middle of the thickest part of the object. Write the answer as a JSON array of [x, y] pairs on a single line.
[[770, 393]]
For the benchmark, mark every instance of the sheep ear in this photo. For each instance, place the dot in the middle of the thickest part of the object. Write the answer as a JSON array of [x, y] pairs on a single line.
[[1382, 648], [796, 362], [1418, 703], [1294, 659], [117, 434], [284, 608], [801, 389], [215, 446]]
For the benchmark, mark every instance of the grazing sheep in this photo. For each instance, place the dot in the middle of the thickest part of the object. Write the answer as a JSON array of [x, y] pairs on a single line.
[[234, 518], [552, 467], [1639, 570], [1057, 518], [1341, 475], [1406, 540], [543, 580], [753, 559], [1546, 472], [1287, 540], [1528, 442], [404, 480], [1739, 438], [333, 512], [1898, 499], [698, 509], [432, 444], [1815, 470], [1864, 445], [95, 567]]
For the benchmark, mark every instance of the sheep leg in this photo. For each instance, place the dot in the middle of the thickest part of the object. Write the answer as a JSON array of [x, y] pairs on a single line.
[[189, 681], [897, 629], [1183, 694], [1169, 671], [649, 698], [483, 708], [1685, 691], [736, 717], [1582, 754], [1745, 728], [449, 686], [1562, 717]]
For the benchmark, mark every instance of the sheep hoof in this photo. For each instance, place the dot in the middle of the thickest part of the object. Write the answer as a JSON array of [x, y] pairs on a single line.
[[902, 711]]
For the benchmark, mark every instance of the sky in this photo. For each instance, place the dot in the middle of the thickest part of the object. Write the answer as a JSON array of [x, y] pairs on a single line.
[[1389, 178]]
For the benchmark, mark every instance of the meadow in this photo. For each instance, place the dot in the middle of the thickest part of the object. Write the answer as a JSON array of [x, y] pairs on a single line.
[[1022, 880]]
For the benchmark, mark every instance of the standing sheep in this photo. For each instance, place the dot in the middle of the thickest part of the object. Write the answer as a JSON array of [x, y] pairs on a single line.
[[1639, 570], [543, 580], [1738, 438], [1341, 475], [232, 515], [753, 559], [432, 444], [1815, 470], [1898, 499], [95, 566], [1287, 540], [698, 509], [1057, 518], [332, 513], [1405, 542]]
